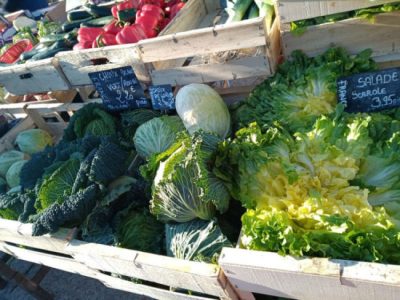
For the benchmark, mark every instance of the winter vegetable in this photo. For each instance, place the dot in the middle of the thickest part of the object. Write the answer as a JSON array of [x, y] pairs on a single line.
[[11, 205], [139, 230], [195, 240], [303, 194], [200, 107], [184, 187], [8, 158], [92, 119], [13, 172], [157, 135], [33, 140], [303, 89]]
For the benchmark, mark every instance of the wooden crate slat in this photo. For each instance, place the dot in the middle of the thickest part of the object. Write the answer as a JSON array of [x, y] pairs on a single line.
[[18, 233], [309, 278], [204, 41], [33, 77], [293, 10], [232, 69], [77, 64], [156, 293], [46, 259], [382, 36], [200, 277]]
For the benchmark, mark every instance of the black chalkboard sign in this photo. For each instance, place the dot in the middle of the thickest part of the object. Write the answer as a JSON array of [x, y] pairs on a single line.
[[372, 91], [162, 97], [119, 89]]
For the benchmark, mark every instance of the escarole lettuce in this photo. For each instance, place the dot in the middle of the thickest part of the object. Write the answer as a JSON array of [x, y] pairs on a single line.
[[302, 89], [315, 194]]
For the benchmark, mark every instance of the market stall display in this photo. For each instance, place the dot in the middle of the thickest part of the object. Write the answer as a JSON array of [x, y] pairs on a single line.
[[287, 188]]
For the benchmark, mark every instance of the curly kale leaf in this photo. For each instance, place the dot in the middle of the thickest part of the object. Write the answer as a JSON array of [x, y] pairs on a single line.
[[28, 199], [71, 212], [109, 162], [11, 206], [93, 120]]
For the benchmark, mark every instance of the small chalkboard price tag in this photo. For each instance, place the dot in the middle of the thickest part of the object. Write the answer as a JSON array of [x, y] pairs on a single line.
[[372, 91], [162, 97], [119, 89]]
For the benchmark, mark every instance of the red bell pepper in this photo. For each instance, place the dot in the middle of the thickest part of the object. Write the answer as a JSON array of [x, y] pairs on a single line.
[[175, 9], [12, 54], [130, 34], [159, 3], [153, 9], [106, 39], [164, 23], [88, 34], [124, 11], [83, 45], [149, 23], [113, 27]]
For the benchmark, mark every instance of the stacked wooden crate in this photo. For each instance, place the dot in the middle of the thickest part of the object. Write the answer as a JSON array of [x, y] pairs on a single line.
[[382, 34]]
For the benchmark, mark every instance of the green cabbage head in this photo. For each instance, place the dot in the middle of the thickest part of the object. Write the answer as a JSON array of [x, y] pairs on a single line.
[[157, 135], [33, 140], [8, 158], [13, 172]]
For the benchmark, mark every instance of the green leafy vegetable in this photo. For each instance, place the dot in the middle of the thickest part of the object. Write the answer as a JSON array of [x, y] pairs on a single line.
[[157, 135], [59, 184], [310, 194], [11, 206], [91, 119], [33, 140], [302, 90], [71, 212], [184, 186], [12, 176], [195, 240], [8, 158], [139, 230], [201, 108]]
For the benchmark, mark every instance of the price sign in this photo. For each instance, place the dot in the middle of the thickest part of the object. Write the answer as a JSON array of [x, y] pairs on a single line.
[[119, 89], [372, 91], [162, 97]]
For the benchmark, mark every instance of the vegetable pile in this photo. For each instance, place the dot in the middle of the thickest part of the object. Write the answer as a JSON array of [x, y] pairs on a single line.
[[135, 179], [131, 21], [315, 181], [299, 27]]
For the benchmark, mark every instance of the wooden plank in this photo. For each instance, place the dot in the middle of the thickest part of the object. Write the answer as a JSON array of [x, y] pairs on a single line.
[[50, 260], [188, 18], [204, 41], [33, 77], [18, 233], [382, 36], [76, 65], [293, 10], [309, 278], [231, 70], [156, 293], [195, 276]]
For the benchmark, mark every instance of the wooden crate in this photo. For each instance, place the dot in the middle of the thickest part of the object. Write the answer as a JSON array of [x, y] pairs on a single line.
[[33, 77], [309, 278], [294, 10], [382, 36], [99, 261], [160, 60]]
